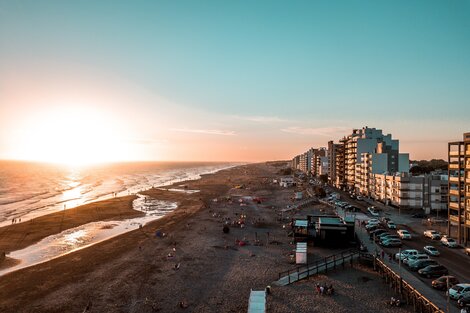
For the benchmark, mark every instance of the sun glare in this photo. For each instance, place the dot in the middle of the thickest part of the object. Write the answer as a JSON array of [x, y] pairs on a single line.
[[72, 136]]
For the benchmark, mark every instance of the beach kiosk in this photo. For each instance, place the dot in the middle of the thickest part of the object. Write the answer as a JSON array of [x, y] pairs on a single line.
[[300, 229], [301, 253], [257, 301]]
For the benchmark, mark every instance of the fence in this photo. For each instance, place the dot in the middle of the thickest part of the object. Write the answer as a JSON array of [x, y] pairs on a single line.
[[320, 265]]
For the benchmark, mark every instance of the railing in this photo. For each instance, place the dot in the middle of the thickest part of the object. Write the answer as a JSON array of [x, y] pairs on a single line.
[[314, 267], [413, 296]]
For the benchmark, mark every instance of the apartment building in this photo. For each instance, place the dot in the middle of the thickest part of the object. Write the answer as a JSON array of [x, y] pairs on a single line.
[[317, 155], [340, 166], [332, 152], [459, 189], [368, 151], [427, 192]]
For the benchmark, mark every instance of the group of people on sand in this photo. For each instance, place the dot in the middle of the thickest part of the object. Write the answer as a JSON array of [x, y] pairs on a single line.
[[324, 289]]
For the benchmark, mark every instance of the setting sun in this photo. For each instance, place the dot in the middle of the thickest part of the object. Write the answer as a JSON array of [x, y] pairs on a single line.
[[71, 135]]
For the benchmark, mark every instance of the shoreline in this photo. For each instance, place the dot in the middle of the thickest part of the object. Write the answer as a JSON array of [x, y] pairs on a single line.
[[21, 235]]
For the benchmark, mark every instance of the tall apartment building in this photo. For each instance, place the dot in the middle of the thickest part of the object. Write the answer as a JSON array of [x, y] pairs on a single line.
[[332, 152], [459, 189], [368, 151], [317, 155], [428, 192], [340, 166], [296, 162]]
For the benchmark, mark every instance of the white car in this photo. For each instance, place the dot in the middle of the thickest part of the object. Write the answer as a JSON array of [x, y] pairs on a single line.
[[404, 234], [449, 242], [391, 225], [433, 234], [431, 250], [416, 257], [359, 198], [372, 211], [457, 291], [406, 253]]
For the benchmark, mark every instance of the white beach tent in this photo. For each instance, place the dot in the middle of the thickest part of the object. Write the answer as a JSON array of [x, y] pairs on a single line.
[[257, 302]]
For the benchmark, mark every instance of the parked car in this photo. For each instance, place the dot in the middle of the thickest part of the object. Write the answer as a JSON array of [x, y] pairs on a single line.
[[370, 227], [416, 257], [457, 291], [359, 198], [464, 301], [433, 234], [406, 253], [372, 211], [383, 235], [377, 232], [431, 250], [404, 234], [442, 282], [467, 251], [392, 242], [419, 215], [417, 265], [388, 237], [391, 225], [433, 271], [449, 242]]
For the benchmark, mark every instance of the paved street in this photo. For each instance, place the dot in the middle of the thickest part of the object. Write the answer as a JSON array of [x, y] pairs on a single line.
[[454, 259]]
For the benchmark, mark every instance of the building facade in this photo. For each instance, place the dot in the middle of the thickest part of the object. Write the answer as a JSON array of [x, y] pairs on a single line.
[[427, 192], [459, 189]]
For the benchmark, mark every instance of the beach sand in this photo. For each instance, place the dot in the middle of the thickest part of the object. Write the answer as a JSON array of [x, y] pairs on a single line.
[[135, 272]]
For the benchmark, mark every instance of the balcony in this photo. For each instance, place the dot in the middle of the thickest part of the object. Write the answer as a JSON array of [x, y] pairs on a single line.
[[454, 218], [454, 205], [454, 192], [454, 153], [454, 179], [454, 166]]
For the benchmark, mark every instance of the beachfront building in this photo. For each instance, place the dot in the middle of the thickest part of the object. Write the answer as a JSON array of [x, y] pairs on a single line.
[[317, 155], [340, 166], [427, 192], [296, 162], [368, 151], [333, 150], [459, 189]]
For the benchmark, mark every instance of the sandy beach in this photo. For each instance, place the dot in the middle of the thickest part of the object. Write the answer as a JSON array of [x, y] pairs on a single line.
[[196, 262]]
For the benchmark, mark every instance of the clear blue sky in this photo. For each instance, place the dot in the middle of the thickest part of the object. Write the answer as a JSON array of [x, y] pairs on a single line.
[[403, 66]]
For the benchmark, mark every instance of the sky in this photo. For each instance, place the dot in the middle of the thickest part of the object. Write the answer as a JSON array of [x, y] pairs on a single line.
[[228, 80]]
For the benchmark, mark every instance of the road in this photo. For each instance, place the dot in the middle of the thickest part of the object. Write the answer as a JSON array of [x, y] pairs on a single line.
[[455, 260]]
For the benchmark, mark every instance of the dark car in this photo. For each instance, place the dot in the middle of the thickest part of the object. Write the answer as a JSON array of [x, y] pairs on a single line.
[[465, 300], [377, 232], [419, 215], [422, 264], [433, 271], [441, 282]]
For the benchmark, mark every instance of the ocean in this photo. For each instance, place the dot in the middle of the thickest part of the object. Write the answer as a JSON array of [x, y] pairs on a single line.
[[29, 189]]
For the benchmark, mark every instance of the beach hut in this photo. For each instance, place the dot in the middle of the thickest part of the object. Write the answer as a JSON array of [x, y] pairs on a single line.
[[301, 253], [257, 301], [300, 229]]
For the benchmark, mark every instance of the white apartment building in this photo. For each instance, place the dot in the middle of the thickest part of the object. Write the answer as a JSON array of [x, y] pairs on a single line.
[[368, 151], [427, 192]]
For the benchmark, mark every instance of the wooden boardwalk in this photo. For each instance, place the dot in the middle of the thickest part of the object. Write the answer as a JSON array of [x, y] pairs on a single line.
[[323, 265]]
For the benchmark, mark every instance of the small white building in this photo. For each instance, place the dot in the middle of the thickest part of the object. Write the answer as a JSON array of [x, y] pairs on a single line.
[[286, 181]]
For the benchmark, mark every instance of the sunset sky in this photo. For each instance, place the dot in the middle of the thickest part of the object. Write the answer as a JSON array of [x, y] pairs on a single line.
[[228, 80]]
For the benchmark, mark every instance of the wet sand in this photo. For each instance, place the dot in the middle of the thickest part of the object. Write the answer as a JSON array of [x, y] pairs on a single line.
[[20, 235], [135, 272]]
